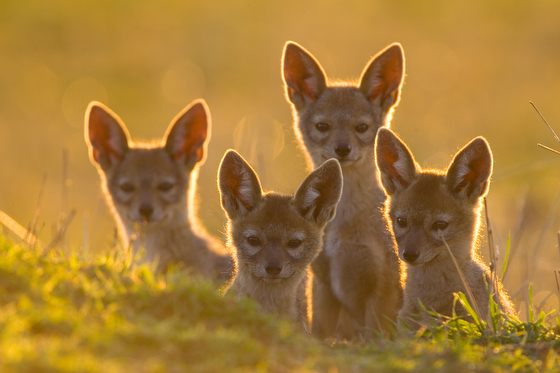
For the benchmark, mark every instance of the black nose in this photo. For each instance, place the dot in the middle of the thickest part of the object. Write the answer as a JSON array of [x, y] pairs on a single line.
[[342, 150], [146, 211], [273, 268], [410, 256]]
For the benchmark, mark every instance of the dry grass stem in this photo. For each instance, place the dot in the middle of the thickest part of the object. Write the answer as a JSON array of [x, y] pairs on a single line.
[[59, 238], [463, 279], [548, 125], [19, 230], [549, 149], [557, 282], [32, 231]]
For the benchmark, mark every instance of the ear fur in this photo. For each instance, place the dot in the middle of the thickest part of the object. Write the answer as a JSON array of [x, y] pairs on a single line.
[[320, 192], [468, 174], [383, 76], [395, 162], [106, 135], [187, 136], [304, 78], [239, 185]]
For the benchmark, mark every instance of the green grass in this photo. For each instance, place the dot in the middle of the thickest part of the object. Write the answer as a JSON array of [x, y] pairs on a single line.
[[64, 314]]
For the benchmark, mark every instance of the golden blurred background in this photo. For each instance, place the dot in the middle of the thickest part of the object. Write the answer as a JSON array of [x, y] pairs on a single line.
[[472, 68]]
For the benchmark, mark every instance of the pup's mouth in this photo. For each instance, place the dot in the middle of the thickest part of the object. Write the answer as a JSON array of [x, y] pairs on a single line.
[[152, 220], [146, 225], [344, 161], [272, 280]]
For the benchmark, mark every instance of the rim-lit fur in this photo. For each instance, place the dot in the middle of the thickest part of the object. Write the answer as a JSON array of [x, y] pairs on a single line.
[[423, 206], [276, 237], [356, 285], [150, 187]]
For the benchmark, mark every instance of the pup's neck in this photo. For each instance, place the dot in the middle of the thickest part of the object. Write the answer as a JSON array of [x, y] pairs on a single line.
[[177, 227], [361, 190], [273, 297]]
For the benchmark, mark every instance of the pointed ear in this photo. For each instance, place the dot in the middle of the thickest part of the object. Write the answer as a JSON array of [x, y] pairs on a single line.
[[239, 185], [382, 79], [106, 135], [468, 175], [395, 162], [318, 195], [304, 78], [188, 134]]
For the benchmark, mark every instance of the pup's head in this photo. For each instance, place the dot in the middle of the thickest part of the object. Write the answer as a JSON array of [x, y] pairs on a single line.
[[275, 236], [147, 182], [424, 205], [340, 120]]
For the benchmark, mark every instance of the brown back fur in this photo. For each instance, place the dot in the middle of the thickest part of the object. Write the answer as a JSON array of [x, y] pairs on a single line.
[[276, 237], [357, 273], [150, 188], [425, 204]]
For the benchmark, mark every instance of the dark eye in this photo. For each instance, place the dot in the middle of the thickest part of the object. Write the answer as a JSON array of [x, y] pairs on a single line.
[[253, 241], [440, 225], [127, 187], [402, 222], [292, 244], [361, 128], [322, 127], [165, 186]]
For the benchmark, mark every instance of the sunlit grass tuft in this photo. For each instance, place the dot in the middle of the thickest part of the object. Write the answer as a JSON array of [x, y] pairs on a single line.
[[65, 314]]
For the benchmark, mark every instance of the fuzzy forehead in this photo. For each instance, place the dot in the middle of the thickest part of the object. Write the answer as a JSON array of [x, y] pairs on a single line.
[[147, 163], [276, 217], [347, 99], [428, 195]]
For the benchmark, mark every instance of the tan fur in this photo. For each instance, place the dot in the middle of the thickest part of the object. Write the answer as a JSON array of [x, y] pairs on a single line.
[[150, 188], [356, 286], [422, 206], [276, 237]]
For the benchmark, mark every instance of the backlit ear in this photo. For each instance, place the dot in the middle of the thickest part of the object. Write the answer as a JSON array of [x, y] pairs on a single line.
[[304, 78], [318, 195], [188, 134], [395, 162], [382, 79], [106, 135], [239, 185], [468, 175]]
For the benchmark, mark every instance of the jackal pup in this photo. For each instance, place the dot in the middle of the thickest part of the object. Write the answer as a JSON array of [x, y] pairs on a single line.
[[357, 273], [275, 237], [150, 187], [426, 205]]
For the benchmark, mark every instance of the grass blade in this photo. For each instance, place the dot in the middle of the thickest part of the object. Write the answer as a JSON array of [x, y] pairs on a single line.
[[530, 305], [470, 310], [463, 279], [506, 258]]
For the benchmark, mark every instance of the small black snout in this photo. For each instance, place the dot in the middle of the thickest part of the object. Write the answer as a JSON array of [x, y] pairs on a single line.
[[342, 150], [410, 256], [273, 268], [146, 211]]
